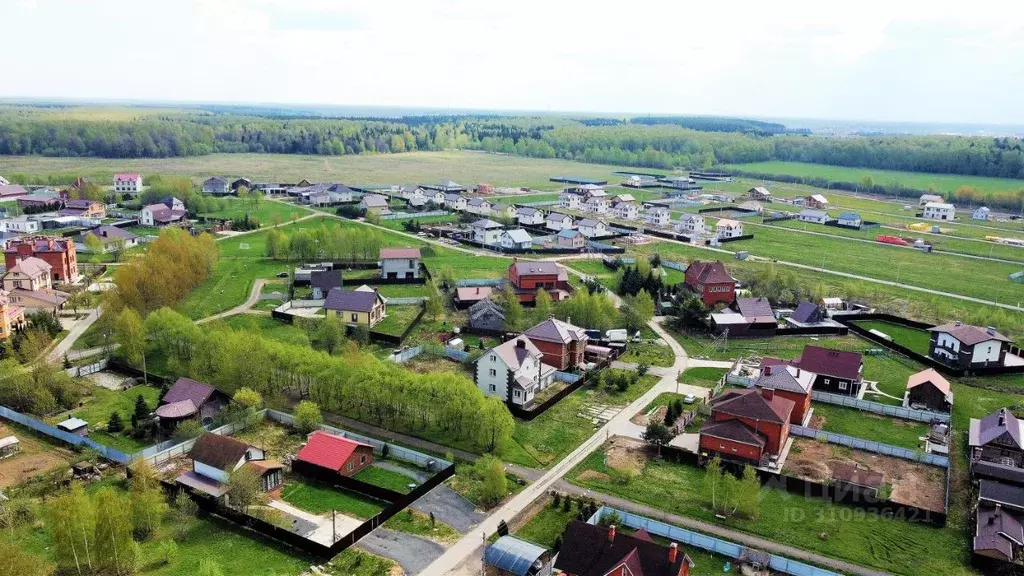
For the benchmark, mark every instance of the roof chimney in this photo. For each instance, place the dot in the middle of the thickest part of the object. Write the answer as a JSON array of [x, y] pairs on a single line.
[[991, 330], [957, 323], [768, 393], [611, 533], [797, 371], [768, 370], [521, 344], [673, 551]]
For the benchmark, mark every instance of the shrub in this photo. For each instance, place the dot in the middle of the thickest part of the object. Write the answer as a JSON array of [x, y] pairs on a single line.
[[307, 417], [114, 424]]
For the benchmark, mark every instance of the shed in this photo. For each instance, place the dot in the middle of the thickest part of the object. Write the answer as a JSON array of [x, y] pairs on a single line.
[[75, 426], [511, 556], [9, 446]]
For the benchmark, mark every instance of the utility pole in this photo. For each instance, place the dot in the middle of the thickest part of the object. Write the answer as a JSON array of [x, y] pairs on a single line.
[[334, 526], [483, 554]]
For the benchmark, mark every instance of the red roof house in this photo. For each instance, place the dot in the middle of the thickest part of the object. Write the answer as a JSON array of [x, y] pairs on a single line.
[[529, 277], [711, 281], [58, 253], [333, 454], [746, 425], [589, 550]]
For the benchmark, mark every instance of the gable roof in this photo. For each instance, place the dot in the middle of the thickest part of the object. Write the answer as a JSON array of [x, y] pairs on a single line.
[[404, 253], [556, 216], [998, 530], [752, 404], [545, 268], [526, 211], [518, 235], [188, 389], [215, 179], [470, 293], [325, 279], [760, 190], [709, 272], [688, 216], [127, 176], [351, 300], [375, 201], [932, 377], [485, 306], [218, 451], [587, 551], [805, 311], [554, 330], [328, 450], [849, 216], [754, 307], [590, 222], [829, 362], [107, 234], [486, 224], [996, 425], [32, 267], [814, 213], [818, 198], [477, 201], [513, 355], [727, 223], [967, 334], [452, 197], [786, 378]]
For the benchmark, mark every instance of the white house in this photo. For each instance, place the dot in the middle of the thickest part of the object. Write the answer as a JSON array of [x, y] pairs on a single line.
[[20, 225], [517, 239], [438, 198], [410, 192], [486, 231], [216, 457], [527, 216], [814, 216], [850, 219], [513, 371], [964, 346], [926, 198], [596, 203], [726, 228], [939, 211], [691, 225], [570, 200], [626, 210], [658, 216], [479, 206], [455, 202], [217, 186], [557, 222], [128, 183], [504, 211], [591, 228], [982, 213]]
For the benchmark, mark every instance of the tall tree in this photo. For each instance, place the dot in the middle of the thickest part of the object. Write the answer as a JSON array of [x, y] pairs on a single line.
[[115, 550], [514, 315], [496, 425], [94, 246], [543, 307], [130, 335]]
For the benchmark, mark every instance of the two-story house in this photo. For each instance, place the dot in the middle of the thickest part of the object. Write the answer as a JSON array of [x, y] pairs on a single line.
[[711, 281], [791, 383], [570, 200], [557, 222], [939, 211], [215, 458], [625, 210], [657, 216], [486, 231], [746, 426], [727, 228], [160, 215], [399, 262], [760, 194], [529, 277], [816, 202], [455, 202], [130, 183], [594, 550], [84, 208], [527, 216], [927, 389], [569, 238], [596, 202], [187, 400], [691, 225], [217, 186], [963, 347], [514, 371], [562, 344], [60, 254], [480, 206], [592, 228], [28, 274], [995, 446], [12, 318], [375, 204]]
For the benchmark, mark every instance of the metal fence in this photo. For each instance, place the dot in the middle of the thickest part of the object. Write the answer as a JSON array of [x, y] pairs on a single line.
[[161, 456], [709, 543], [307, 303], [495, 282], [407, 215], [410, 301], [737, 380], [567, 377], [457, 355], [78, 371], [537, 204], [879, 408], [871, 446], [73, 439], [600, 245], [674, 265], [405, 356]]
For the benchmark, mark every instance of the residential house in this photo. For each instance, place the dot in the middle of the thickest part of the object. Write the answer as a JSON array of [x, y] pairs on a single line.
[[517, 239], [455, 202], [593, 550], [791, 383], [9, 191], [928, 198], [45, 300], [927, 389], [726, 228], [238, 183], [12, 318], [361, 306], [753, 319], [569, 238], [592, 228], [808, 313], [486, 316], [999, 534], [514, 371], [415, 192], [469, 295], [188, 400], [814, 216], [486, 231], [510, 556], [658, 216], [996, 447], [375, 204], [437, 198], [596, 202], [29, 274], [963, 347], [570, 200], [399, 262], [711, 281], [326, 455], [504, 211], [691, 225], [816, 202], [109, 236], [747, 426], [21, 224], [270, 188], [447, 186], [40, 200], [527, 216], [160, 215], [558, 222], [323, 281], [751, 206], [760, 194], [755, 308], [215, 458], [529, 277], [851, 219], [172, 203], [939, 211], [836, 371], [625, 210], [86, 208], [58, 253], [623, 199], [982, 213], [130, 183], [480, 206], [217, 186], [328, 196], [561, 343]]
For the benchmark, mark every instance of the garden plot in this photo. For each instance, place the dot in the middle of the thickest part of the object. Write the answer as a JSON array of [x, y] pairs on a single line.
[[36, 457], [910, 483]]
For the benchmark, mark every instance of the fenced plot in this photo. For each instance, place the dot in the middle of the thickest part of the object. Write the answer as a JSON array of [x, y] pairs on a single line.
[[35, 457]]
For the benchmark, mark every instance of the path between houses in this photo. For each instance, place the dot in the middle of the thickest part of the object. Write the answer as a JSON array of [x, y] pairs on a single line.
[[254, 297], [64, 346]]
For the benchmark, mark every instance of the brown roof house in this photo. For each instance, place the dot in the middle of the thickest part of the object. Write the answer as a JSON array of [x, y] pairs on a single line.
[[996, 445], [188, 399], [999, 534], [364, 306], [562, 344], [216, 457], [589, 550], [399, 262], [928, 390], [747, 426], [838, 372], [322, 281], [963, 347]]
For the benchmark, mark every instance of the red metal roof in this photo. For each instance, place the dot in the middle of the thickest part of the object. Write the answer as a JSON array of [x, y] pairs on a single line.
[[828, 362], [708, 273], [328, 451]]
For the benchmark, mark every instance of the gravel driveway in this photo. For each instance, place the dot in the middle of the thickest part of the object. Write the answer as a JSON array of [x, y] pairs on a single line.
[[413, 553], [449, 507]]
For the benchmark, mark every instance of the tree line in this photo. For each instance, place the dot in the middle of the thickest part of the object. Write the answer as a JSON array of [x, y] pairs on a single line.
[[324, 241]]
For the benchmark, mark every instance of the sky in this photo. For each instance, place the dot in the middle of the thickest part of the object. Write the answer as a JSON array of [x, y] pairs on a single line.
[[894, 60]]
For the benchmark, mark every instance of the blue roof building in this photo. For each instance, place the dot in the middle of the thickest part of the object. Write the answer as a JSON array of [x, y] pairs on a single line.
[[514, 557]]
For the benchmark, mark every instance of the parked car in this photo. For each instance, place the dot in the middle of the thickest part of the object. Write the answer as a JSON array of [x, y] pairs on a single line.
[[689, 399], [617, 335]]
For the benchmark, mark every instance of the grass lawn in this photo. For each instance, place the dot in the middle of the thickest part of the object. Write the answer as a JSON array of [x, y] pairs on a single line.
[[91, 338], [706, 377], [355, 562], [265, 211], [547, 524], [416, 522], [912, 338], [469, 485], [853, 422], [466, 266], [320, 498], [549, 437], [399, 223], [397, 320], [386, 479], [654, 354], [265, 326], [97, 408], [398, 290], [866, 539], [228, 286]]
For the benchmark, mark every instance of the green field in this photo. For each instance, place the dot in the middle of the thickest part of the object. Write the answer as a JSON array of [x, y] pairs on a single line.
[[912, 338], [706, 377], [265, 326], [320, 498], [918, 180], [653, 354], [853, 422], [397, 320], [228, 286], [267, 212]]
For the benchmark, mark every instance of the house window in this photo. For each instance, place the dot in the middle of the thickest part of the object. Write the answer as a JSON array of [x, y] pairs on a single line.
[[518, 393], [494, 358], [493, 372], [843, 385], [355, 317], [411, 264], [350, 466], [827, 381], [494, 388], [362, 459]]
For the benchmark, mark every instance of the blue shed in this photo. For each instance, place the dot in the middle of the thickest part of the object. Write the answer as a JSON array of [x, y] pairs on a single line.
[[514, 557]]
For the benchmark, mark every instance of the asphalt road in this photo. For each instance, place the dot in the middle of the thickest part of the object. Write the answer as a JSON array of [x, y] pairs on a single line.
[[413, 554]]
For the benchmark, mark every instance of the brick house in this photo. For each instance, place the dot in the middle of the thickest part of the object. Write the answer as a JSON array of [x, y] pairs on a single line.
[[561, 343], [12, 317], [85, 208], [791, 383], [711, 282], [746, 426], [332, 454], [590, 550], [529, 277], [58, 253]]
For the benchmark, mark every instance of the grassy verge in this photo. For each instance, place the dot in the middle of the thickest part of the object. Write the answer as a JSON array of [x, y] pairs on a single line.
[[415, 522], [706, 377], [912, 338], [397, 320], [868, 426], [547, 525], [98, 406], [355, 562], [654, 354]]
